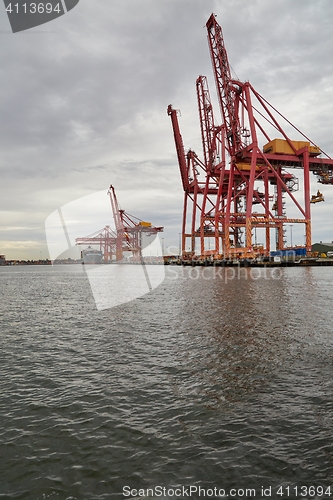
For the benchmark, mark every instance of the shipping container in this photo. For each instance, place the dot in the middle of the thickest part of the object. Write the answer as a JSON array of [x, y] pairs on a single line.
[[289, 252], [281, 146]]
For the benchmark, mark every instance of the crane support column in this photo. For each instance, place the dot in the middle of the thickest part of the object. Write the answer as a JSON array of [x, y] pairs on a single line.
[[307, 197]]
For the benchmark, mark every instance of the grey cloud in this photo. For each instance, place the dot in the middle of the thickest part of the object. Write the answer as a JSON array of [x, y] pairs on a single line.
[[83, 104]]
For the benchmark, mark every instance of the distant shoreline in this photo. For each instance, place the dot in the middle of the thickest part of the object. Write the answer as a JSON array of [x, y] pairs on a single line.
[[40, 262]]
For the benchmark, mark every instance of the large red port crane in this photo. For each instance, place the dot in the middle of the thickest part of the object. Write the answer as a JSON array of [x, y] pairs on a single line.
[[245, 186]]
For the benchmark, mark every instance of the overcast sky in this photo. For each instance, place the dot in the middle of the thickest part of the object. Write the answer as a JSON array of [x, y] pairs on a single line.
[[83, 102]]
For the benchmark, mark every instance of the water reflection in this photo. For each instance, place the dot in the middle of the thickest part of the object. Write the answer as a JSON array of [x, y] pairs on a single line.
[[240, 331]]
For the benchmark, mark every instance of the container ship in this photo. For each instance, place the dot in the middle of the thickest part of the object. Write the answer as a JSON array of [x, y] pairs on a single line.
[[91, 256]]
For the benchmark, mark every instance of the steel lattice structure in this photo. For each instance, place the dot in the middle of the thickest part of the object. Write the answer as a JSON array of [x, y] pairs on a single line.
[[104, 238], [125, 238], [244, 186], [130, 230]]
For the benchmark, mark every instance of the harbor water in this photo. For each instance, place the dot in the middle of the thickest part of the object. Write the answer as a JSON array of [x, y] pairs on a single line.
[[215, 381]]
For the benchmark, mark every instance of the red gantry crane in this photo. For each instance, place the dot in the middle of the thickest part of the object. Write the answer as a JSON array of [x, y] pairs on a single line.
[[130, 230], [126, 237], [104, 238], [245, 186]]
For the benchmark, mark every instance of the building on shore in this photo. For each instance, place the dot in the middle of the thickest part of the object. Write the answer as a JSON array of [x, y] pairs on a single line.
[[322, 247]]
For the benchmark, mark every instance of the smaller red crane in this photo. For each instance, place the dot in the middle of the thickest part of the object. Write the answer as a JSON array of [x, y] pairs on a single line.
[[106, 240], [126, 237], [130, 229]]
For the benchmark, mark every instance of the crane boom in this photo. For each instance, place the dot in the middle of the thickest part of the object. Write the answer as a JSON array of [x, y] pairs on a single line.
[[179, 147], [115, 209], [226, 87], [206, 122], [118, 220]]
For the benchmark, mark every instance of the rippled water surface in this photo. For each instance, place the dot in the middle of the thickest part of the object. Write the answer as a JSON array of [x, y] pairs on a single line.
[[206, 381]]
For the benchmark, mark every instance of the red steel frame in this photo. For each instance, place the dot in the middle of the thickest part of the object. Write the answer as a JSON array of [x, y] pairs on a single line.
[[129, 229], [127, 236], [105, 239], [223, 204]]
